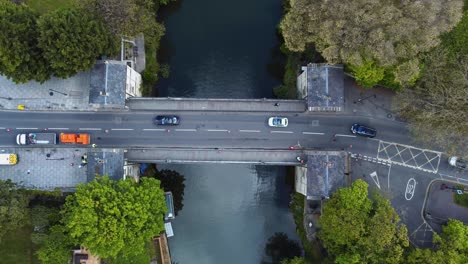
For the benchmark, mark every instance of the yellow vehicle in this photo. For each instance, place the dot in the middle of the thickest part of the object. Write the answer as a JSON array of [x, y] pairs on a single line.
[[8, 159]]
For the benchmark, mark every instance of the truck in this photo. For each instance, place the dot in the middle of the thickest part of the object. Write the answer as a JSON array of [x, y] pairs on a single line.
[[36, 139], [458, 163], [8, 159], [73, 138]]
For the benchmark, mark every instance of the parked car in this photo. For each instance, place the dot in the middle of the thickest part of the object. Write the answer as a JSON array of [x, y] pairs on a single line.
[[167, 120], [278, 121], [364, 131], [458, 163]]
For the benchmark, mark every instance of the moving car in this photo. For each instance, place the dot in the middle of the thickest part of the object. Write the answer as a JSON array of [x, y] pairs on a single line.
[[167, 120], [364, 131], [278, 121]]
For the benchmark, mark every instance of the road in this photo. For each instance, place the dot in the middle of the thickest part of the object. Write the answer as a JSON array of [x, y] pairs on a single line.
[[204, 130]]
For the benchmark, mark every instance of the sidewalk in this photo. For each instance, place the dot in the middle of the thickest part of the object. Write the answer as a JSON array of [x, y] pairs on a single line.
[[372, 102]]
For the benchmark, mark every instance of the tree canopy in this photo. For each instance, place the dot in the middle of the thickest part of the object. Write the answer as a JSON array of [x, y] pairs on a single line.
[[387, 35], [279, 247], [20, 57], [171, 181], [296, 260], [56, 247], [13, 207], [115, 217], [356, 229], [450, 247], [72, 40]]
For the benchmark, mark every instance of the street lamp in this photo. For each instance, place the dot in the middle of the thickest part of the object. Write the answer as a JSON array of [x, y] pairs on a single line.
[[6, 98], [52, 92], [359, 100]]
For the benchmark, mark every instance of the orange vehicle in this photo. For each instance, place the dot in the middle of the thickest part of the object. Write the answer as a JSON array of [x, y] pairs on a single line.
[[74, 138]]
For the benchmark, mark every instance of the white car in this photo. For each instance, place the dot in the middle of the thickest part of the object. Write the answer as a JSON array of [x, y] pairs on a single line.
[[276, 121]]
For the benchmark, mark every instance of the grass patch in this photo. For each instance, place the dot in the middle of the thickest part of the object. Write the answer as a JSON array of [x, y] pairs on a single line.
[[16, 247], [46, 6], [311, 249], [461, 199]]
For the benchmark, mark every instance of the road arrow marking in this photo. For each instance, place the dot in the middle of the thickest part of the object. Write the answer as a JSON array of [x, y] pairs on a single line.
[[375, 178]]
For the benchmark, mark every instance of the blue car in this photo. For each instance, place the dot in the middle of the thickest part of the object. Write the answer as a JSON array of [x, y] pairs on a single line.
[[166, 120], [364, 131]]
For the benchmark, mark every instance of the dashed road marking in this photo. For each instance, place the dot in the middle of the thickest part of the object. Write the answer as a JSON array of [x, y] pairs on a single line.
[[122, 129], [312, 133], [27, 128], [186, 130], [410, 186], [341, 135], [153, 129], [58, 128], [90, 128], [284, 132], [217, 130], [375, 178], [249, 131]]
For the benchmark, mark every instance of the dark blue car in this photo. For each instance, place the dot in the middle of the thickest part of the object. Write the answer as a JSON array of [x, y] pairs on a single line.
[[364, 131], [167, 120]]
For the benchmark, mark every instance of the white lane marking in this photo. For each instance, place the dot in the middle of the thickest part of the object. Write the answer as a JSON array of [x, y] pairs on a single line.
[[284, 132], [341, 135], [388, 176], [250, 131], [375, 178], [2, 127], [374, 139], [122, 129], [312, 133], [153, 129], [90, 128], [29, 128], [410, 186], [217, 130], [186, 130], [58, 128]]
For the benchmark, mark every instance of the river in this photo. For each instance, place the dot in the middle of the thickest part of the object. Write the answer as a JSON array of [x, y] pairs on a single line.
[[225, 49]]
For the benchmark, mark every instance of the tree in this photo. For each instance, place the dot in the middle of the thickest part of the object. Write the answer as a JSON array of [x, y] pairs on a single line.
[[115, 217], [20, 57], [13, 207], [72, 40], [172, 181], [296, 260], [280, 247], [437, 107], [42, 218], [450, 247], [356, 229], [57, 247], [391, 34]]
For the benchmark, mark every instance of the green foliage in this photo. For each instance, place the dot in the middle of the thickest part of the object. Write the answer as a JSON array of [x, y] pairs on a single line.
[[279, 247], [438, 102], [171, 181], [20, 57], [288, 90], [393, 34], [150, 74], [356, 229], [450, 247], [42, 218], [367, 74], [57, 247], [165, 70], [16, 247], [46, 6], [296, 260], [461, 199], [456, 41], [113, 218], [72, 40], [13, 207]]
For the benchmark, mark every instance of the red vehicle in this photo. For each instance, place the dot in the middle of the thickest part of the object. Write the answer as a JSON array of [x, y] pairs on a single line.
[[83, 139]]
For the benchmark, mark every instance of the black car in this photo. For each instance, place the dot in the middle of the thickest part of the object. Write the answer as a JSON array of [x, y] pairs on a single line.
[[167, 120], [361, 130]]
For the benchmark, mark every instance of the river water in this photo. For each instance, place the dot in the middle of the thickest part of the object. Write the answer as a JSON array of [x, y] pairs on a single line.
[[225, 49]]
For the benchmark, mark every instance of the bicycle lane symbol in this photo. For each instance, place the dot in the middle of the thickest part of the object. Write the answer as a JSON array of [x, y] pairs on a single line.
[[410, 187]]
